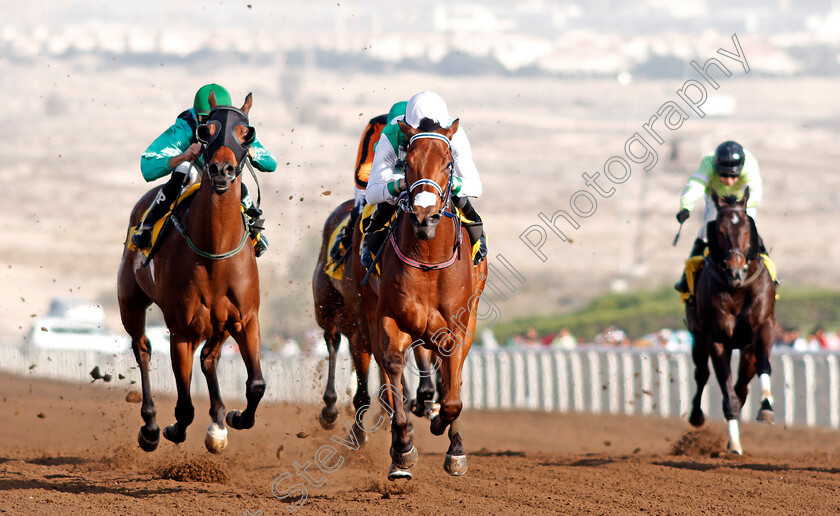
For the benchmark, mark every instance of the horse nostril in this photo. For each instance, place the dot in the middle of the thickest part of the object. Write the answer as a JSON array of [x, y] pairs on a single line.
[[434, 219], [414, 220]]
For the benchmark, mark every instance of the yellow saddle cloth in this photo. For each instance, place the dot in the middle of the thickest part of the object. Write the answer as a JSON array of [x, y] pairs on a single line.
[[695, 263], [191, 190], [338, 272]]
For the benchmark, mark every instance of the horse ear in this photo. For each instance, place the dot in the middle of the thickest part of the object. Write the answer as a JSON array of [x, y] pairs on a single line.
[[204, 132], [452, 129], [248, 102], [250, 135], [212, 100], [407, 130], [746, 196]]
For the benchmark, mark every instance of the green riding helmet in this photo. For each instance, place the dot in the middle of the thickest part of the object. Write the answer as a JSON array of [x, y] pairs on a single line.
[[201, 104]]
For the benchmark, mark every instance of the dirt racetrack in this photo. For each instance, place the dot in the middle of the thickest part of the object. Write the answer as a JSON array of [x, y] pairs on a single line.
[[69, 449]]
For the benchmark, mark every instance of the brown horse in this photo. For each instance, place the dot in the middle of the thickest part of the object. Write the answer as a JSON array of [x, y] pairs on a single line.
[[735, 309], [206, 284], [338, 311], [428, 294]]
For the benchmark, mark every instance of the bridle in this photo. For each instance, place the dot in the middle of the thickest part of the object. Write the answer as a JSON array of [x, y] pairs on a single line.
[[711, 266], [405, 203]]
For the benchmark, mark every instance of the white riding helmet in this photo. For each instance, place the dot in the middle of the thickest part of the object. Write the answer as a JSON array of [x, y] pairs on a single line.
[[427, 104]]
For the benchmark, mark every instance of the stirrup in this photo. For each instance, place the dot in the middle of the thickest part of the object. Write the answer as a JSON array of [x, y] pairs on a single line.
[[260, 245]]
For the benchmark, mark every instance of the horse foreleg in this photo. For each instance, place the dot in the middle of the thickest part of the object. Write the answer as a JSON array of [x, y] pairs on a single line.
[[403, 452], [249, 347], [182, 355], [216, 439], [455, 462], [700, 356], [329, 414], [762, 346], [746, 371], [731, 404]]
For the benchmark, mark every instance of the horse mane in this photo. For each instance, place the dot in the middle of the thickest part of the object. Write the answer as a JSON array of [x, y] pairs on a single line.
[[730, 199], [427, 125]]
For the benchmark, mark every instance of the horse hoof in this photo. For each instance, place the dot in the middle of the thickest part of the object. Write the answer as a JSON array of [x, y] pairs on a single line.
[[765, 413], [216, 439], [327, 418], [148, 445], [360, 434], [455, 465], [231, 418], [396, 473], [734, 450], [171, 435], [404, 460], [696, 419]]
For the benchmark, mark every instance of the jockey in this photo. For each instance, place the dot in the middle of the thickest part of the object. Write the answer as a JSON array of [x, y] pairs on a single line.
[[387, 179], [730, 170], [172, 152], [364, 161]]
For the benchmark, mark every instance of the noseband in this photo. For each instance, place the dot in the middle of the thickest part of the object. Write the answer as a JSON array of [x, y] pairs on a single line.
[[711, 266]]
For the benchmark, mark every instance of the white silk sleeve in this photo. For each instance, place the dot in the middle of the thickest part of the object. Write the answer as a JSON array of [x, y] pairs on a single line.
[[465, 166], [381, 173]]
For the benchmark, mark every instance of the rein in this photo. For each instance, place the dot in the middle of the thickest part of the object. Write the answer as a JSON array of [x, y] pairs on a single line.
[[405, 206]]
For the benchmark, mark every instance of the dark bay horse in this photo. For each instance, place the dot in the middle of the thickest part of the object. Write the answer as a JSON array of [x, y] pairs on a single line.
[[427, 296], [735, 309], [206, 284], [338, 310]]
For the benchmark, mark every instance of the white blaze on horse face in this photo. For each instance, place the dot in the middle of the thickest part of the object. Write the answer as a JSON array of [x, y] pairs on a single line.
[[735, 220], [425, 199]]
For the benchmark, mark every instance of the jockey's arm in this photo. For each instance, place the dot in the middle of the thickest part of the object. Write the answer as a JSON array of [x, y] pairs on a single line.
[[157, 160], [262, 159], [382, 183], [465, 171], [697, 185]]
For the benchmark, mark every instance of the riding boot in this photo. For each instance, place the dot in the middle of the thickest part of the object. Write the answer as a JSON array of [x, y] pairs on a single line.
[[697, 250], [255, 223], [763, 250], [475, 228], [375, 232], [342, 244], [142, 237]]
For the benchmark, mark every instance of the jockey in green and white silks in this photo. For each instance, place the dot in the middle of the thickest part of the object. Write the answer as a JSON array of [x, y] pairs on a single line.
[[172, 153], [730, 170], [387, 179]]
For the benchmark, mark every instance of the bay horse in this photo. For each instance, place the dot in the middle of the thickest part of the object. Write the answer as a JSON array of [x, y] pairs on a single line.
[[205, 282], [338, 310], [427, 294], [735, 309]]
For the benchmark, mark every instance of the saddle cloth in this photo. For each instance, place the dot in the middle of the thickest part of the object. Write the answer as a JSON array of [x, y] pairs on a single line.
[[188, 192]]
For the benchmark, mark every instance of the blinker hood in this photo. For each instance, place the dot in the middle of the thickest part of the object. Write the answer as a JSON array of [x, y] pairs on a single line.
[[226, 119]]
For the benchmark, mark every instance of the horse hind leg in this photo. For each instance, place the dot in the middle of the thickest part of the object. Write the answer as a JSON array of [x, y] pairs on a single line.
[[216, 438], [731, 401], [133, 303], [182, 354], [762, 366], [421, 405], [700, 355], [329, 414], [361, 400]]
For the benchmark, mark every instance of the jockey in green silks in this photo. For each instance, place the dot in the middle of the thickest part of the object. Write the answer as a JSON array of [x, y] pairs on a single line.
[[171, 154], [730, 170]]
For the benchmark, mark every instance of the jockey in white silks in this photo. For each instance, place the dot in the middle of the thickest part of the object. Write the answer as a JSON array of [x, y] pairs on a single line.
[[387, 179]]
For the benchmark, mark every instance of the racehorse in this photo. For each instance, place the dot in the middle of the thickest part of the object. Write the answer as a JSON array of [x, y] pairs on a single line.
[[735, 309], [428, 294], [338, 311], [205, 282]]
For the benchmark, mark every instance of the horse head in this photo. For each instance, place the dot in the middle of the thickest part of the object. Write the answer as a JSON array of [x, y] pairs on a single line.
[[734, 241], [226, 136], [428, 174]]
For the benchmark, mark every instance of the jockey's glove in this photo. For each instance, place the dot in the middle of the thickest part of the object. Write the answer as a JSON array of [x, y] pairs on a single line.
[[682, 216]]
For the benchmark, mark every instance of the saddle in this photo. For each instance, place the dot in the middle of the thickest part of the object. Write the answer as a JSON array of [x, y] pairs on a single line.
[[157, 229]]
